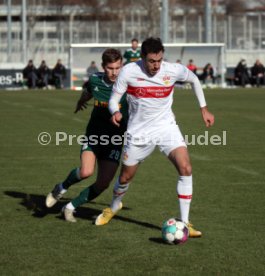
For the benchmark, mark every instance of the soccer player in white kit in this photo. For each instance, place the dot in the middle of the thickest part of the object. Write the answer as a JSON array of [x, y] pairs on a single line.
[[149, 84]]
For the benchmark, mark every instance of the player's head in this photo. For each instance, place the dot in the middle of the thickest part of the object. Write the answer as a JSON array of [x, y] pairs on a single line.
[[152, 52], [112, 63], [134, 42]]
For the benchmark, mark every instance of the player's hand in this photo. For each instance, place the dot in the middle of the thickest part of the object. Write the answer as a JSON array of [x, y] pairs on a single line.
[[80, 106], [207, 116], [116, 118]]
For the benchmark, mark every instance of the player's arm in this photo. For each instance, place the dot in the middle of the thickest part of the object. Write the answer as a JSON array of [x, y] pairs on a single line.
[[119, 88], [207, 116], [85, 97], [114, 108]]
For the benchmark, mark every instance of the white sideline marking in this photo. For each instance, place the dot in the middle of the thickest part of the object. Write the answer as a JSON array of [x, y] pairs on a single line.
[[5, 101], [28, 105], [246, 183], [200, 157], [254, 118], [58, 113], [79, 120], [16, 104], [44, 110], [242, 170]]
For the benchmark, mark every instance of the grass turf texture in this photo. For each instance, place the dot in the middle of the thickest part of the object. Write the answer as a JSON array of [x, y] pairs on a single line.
[[228, 203]]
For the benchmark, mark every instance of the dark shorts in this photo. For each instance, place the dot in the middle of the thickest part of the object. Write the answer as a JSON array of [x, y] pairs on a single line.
[[105, 142]]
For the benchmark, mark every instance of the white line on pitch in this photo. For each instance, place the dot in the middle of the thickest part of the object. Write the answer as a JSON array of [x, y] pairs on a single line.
[[58, 113], [245, 171], [253, 118], [79, 120], [200, 157]]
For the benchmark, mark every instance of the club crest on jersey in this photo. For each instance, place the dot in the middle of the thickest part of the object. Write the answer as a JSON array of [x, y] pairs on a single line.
[[166, 80]]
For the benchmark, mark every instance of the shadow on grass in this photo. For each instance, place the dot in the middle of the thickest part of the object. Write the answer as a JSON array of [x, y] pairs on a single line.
[[36, 204], [158, 240]]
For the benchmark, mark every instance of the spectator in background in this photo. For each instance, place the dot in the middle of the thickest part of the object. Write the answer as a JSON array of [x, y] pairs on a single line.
[[132, 54], [208, 74], [43, 74], [241, 73], [30, 74], [92, 69], [59, 74], [178, 61], [257, 73], [192, 67]]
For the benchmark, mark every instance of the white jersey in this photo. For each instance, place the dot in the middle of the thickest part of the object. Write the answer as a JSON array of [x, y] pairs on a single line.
[[149, 97]]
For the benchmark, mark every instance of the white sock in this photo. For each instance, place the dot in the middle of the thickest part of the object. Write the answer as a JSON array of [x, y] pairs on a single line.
[[70, 206], [118, 193], [184, 190]]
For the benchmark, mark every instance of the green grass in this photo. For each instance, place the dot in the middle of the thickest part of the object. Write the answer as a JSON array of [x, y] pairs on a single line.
[[228, 202]]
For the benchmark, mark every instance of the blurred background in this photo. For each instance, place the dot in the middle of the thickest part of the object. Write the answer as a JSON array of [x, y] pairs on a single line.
[[45, 29]]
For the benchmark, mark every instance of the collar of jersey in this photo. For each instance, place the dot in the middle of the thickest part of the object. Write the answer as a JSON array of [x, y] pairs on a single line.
[[107, 84]]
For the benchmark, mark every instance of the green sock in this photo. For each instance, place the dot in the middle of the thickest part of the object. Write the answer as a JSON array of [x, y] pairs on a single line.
[[85, 196], [72, 178]]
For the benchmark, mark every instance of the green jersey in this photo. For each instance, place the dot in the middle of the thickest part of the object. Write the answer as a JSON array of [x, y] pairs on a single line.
[[132, 55], [99, 125], [101, 92]]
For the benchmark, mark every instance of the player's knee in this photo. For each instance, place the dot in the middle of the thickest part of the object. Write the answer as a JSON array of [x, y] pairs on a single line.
[[185, 169], [86, 172], [125, 178]]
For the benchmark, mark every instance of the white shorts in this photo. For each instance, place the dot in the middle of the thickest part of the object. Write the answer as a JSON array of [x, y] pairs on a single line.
[[135, 150]]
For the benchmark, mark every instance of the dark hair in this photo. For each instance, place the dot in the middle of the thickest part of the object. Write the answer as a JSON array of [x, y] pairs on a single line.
[[152, 45], [134, 39], [111, 55]]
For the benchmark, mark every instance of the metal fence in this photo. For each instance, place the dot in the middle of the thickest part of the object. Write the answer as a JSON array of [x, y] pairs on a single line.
[[51, 30]]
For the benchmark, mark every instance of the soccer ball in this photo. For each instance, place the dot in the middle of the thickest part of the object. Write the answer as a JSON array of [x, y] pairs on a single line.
[[174, 231]]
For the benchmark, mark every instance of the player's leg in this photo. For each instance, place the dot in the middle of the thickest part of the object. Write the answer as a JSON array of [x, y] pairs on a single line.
[[132, 156], [122, 185], [174, 146], [180, 158], [88, 161], [120, 188], [106, 173]]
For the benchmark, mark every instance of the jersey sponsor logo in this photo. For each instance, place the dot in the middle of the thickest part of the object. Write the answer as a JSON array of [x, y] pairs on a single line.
[[150, 91], [140, 92], [96, 89]]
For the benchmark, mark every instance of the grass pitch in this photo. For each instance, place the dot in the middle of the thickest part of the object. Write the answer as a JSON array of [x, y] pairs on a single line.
[[228, 202]]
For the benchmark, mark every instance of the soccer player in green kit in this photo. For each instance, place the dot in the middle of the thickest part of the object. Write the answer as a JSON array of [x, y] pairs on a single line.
[[132, 54], [107, 155]]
